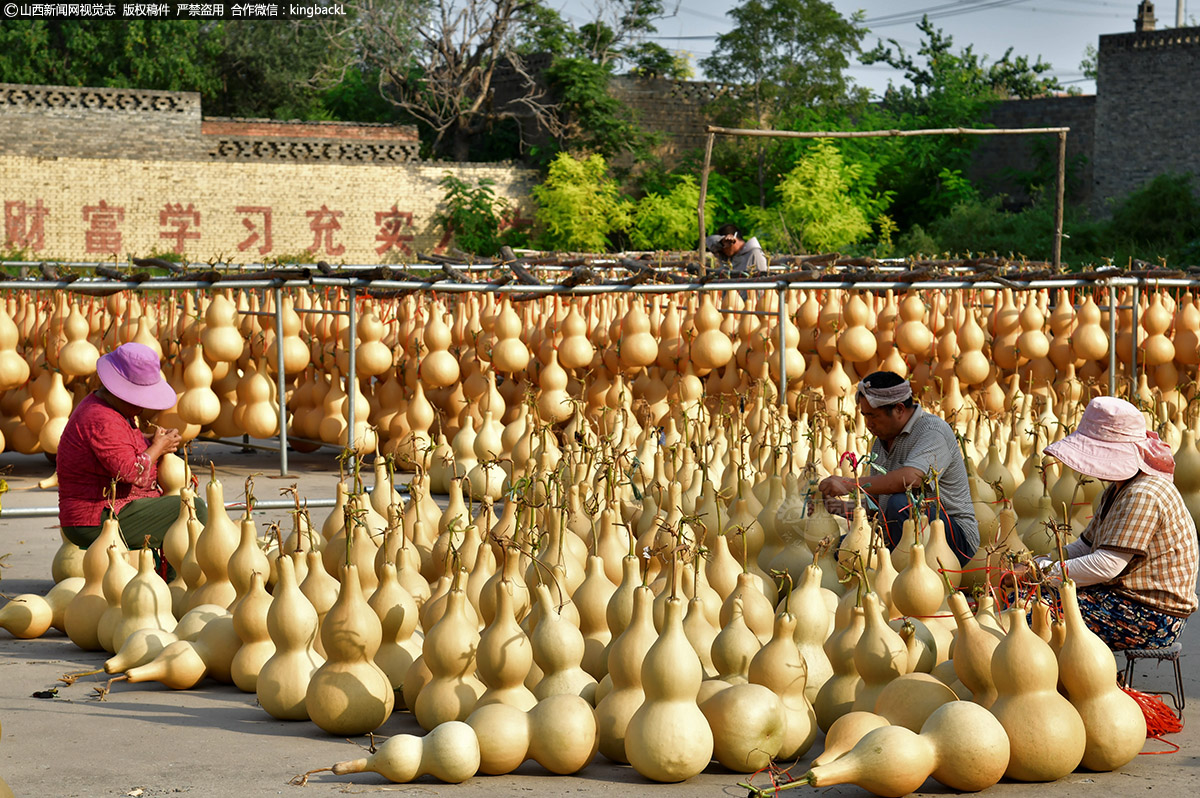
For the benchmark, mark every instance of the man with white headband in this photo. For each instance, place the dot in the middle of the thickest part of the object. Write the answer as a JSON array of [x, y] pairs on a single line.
[[910, 446]]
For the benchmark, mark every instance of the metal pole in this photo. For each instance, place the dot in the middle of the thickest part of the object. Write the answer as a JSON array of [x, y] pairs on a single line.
[[1133, 343], [279, 381], [352, 373], [1112, 340], [1060, 191], [702, 250], [783, 380]]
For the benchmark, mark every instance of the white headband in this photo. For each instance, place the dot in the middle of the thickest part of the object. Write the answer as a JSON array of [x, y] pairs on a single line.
[[880, 397]]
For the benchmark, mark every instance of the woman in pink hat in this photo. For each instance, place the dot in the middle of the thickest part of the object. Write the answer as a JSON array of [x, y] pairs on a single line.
[[1135, 563], [101, 445]]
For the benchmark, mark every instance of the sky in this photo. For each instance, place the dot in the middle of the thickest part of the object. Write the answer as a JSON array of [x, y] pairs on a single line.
[[1057, 30]]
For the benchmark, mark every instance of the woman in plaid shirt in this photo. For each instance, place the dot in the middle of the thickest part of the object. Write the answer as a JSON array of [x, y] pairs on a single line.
[[1135, 563]]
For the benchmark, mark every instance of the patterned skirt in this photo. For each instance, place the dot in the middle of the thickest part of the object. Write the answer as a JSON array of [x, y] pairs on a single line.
[[1123, 623]]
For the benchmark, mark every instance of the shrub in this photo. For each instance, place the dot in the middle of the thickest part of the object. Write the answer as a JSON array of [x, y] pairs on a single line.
[[668, 220], [473, 215], [578, 205]]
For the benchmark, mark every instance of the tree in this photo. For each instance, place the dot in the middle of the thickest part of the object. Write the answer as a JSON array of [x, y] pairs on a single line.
[[786, 52], [781, 54], [170, 55], [957, 85], [578, 205], [943, 87]]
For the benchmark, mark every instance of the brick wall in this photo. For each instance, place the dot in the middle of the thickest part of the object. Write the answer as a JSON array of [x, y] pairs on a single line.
[[48, 121], [996, 158], [86, 174], [92, 208], [1147, 109]]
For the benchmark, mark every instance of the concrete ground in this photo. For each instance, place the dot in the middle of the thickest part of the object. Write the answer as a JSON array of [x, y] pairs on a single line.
[[150, 742]]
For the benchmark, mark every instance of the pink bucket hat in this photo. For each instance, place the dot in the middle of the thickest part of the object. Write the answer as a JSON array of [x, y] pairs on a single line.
[[131, 372], [1112, 443]]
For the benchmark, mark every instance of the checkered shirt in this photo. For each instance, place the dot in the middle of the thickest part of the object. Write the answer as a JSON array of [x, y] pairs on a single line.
[[927, 443], [1149, 520]]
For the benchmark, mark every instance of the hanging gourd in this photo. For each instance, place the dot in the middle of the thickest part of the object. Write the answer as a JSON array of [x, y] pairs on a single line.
[[198, 404], [221, 339], [637, 347], [509, 354], [78, 356], [439, 368], [711, 348], [912, 335], [1089, 341], [856, 343], [14, 370], [372, 357]]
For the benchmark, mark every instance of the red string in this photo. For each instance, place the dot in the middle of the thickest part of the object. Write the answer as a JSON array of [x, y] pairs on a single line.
[[1160, 719]]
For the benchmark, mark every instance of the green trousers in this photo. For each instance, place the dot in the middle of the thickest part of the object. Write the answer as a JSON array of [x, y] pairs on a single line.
[[139, 519]]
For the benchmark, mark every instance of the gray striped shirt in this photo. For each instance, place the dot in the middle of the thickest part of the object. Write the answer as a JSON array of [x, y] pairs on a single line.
[[927, 443]]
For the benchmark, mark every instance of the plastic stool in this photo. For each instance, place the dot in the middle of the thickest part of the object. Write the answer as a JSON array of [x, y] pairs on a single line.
[[1170, 653]]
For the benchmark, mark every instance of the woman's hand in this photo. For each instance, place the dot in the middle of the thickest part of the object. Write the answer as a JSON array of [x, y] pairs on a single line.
[[165, 440]]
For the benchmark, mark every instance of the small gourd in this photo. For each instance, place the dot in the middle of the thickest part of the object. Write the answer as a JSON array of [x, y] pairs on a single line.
[[449, 753]]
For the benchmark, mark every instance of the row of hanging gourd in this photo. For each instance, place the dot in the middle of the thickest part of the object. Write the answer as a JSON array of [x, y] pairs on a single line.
[[449, 363], [590, 646]]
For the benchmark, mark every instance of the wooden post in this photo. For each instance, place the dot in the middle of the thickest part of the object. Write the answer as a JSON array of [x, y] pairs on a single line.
[[1060, 191], [702, 251]]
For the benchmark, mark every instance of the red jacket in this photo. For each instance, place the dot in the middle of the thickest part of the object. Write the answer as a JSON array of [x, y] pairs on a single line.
[[99, 445]]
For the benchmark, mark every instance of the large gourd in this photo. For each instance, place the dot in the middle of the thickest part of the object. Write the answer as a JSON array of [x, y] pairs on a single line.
[[449, 654], [1046, 733], [1115, 724], [668, 738], [779, 667], [82, 616], [292, 623], [349, 694]]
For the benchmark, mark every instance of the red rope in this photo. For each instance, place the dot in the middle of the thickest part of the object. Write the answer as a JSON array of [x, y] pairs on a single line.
[[1160, 719]]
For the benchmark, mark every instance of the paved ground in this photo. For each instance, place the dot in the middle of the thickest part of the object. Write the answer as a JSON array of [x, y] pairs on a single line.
[[215, 741]]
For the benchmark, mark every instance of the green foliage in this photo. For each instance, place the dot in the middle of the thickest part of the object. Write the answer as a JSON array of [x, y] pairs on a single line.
[[817, 211], [591, 119], [1160, 220], [785, 53], [473, 215], [171, 55], [668, 220], [578, 205]]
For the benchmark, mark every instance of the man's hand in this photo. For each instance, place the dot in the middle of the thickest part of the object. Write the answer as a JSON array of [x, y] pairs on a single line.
[[165, 440], [836, 486], [839, 507]]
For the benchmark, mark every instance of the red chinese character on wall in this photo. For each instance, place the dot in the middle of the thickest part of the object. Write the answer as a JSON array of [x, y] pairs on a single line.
[[324, 223], [265, 212], [103, 235], [24, 224], [391, 223], [182, 220]]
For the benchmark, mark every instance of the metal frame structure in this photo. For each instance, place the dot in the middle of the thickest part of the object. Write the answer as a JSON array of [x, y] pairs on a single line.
[[1060, 187], [352, 286]]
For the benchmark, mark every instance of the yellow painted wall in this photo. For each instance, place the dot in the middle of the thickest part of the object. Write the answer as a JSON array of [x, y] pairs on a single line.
[[342, 214]]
